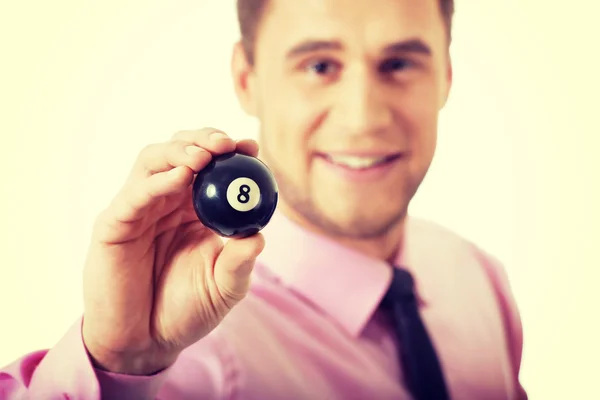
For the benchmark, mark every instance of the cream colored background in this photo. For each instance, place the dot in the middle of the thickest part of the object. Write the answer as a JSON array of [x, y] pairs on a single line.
[[84, 85]]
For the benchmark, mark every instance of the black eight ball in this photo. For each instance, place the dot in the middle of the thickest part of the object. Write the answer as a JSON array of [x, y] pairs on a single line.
[[235, 195]]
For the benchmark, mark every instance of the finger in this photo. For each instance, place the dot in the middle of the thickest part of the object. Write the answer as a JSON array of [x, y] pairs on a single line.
[[134, 200], [192, 148], [124, 219], [109, 230], [174, 220], [247, 146], [164, 234], [213, 140], [234, 266], [161, 157]]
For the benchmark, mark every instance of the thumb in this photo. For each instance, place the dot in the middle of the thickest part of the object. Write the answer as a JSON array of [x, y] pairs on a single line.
[[234, 266]]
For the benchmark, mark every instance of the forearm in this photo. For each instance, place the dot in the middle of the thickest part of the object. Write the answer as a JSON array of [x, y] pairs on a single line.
[[66, 370]]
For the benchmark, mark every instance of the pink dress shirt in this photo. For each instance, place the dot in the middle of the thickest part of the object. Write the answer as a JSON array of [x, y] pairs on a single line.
[[310, 329]]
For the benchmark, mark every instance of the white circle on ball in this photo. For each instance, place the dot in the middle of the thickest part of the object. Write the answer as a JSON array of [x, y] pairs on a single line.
[[243, 194]]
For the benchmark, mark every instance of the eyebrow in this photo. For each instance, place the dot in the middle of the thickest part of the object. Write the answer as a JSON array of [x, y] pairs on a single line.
[[409, 46], [311, 46], [404, 46]]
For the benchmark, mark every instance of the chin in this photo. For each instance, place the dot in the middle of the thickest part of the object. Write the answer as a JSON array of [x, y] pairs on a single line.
[[361, 223]]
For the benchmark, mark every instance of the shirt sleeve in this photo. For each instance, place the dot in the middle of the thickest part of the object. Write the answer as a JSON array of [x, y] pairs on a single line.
[[512, 319], [66, 372]]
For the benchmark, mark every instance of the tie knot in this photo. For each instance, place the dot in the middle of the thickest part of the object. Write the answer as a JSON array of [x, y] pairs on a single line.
[[401, 288]]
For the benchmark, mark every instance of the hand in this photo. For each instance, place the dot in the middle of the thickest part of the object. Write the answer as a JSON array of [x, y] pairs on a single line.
[[156, 280]]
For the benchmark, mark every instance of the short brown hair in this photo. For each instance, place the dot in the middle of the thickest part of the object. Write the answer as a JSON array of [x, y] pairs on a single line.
[[250, 12]]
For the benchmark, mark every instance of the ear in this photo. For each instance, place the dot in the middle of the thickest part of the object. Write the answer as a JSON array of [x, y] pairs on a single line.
[[243, 80]]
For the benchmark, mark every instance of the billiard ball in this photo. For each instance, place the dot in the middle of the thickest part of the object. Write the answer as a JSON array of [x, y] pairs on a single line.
[[235, 195]]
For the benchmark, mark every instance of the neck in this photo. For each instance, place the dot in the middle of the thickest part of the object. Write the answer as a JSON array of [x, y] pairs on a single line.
[[384, 247]]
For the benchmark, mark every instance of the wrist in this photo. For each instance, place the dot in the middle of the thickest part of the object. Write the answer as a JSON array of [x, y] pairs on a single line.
[[141, 364]]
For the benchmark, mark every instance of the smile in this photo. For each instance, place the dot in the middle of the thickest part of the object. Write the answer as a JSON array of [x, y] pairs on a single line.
[[359, 162]]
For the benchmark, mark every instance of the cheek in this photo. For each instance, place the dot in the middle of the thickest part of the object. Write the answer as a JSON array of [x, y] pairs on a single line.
[[287, 123], [418, 114]]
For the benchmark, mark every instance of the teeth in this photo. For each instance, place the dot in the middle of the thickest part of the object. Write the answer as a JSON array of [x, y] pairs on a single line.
[[357, 162]]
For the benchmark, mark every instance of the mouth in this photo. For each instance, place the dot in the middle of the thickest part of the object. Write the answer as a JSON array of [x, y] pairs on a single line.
[[359, 163]]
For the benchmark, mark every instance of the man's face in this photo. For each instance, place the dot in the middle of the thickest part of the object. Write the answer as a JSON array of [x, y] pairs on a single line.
[[348, 95]]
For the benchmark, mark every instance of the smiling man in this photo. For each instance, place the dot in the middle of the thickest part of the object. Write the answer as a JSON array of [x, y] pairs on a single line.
[[348, 98], [351, 298]]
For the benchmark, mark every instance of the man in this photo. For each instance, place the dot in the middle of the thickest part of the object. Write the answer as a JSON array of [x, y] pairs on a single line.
[[348, 96]]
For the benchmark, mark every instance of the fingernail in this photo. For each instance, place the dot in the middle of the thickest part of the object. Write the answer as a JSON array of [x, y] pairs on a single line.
[[216, 136], [191, 150]]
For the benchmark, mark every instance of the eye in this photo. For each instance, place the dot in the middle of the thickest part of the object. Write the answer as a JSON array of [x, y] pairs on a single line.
[[322, 67], [396, 64]]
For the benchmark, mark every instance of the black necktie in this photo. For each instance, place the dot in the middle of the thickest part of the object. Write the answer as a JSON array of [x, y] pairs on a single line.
[[417, 355]]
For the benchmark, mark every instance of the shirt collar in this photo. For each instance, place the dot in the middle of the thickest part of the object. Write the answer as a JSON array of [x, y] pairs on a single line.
[[344, 283]]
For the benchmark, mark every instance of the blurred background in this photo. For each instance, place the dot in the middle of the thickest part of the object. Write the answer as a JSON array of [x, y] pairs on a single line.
[[85, 85]]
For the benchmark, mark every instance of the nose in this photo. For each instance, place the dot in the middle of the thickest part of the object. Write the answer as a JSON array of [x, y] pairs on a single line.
[[363, 106]]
